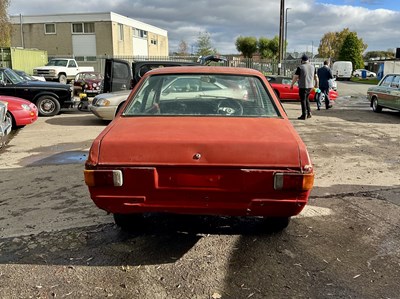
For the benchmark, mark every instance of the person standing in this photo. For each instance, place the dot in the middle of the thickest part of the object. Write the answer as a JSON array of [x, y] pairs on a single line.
[[324, 75], [307, 77]]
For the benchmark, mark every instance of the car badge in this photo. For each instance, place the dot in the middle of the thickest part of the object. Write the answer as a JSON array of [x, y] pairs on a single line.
[[197, 156]]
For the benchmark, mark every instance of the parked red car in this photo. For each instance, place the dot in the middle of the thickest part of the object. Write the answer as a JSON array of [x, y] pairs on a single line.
[[281, 86], [88, 83], [190, 151], [21, 112]]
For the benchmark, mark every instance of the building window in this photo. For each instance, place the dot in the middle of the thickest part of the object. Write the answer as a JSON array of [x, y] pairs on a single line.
[[121, 31], [153, 42], [88, 27], [50, 28], [82, 27], [139, 33]]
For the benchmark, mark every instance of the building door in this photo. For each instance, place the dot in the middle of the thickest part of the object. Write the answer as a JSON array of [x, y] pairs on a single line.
[[84, 45]]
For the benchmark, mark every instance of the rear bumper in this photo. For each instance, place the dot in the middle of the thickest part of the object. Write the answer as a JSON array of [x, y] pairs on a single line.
[[91, 91], [229, 192], [233, 206]]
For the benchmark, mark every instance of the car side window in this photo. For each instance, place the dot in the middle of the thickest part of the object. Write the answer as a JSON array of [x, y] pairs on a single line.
[[396, 82], [286, 81], [387, 81], [71, 63], [120, 71]]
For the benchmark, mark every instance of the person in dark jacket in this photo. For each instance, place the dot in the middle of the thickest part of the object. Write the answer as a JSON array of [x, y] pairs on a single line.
[[324, 75], [307, 77]]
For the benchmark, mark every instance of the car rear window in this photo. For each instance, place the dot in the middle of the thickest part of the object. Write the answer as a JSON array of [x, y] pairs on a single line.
[[202, 95]]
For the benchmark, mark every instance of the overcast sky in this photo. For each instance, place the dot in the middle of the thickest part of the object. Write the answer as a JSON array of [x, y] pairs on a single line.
[[377, 22]]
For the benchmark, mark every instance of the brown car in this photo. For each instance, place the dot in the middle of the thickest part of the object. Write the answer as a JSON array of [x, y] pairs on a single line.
[[88, 83]]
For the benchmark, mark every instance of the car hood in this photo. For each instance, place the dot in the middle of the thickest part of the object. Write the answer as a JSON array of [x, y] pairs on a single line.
[[115, 98], [195, 141], [43, 84], [46, 67], [15, 100], [108, 95]]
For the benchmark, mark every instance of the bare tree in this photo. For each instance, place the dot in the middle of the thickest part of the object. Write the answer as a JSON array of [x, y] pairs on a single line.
[[5, 25], [183, 48]]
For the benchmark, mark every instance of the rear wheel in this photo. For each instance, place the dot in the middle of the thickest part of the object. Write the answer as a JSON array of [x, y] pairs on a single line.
[[375, 105], [48, 105], [14, 124], [128, 222], [62, 79]]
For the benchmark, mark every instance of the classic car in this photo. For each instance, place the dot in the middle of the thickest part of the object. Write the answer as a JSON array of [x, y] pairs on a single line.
[[281, 86], [88, 83], [5, 123], [20, 111], [386, 94], [201, 154], [49, 97]]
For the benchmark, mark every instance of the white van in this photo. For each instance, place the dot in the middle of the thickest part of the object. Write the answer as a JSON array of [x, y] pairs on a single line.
[[342, 69]]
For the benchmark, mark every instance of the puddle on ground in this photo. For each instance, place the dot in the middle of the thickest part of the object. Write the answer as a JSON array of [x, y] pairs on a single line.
[[69, 157]]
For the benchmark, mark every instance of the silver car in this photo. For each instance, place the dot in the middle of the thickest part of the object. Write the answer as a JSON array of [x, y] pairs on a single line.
[[106, 105], [5, 123]]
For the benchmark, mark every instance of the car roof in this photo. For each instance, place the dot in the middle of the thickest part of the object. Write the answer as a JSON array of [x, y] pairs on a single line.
[[206, 70], [89, 72]]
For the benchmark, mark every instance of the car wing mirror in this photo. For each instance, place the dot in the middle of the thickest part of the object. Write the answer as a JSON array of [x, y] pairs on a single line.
[[2, 83]]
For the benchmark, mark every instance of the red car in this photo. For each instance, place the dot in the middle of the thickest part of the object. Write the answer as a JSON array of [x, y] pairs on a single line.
[[195, 152], [21, 112], [88, 83], [281, 86]]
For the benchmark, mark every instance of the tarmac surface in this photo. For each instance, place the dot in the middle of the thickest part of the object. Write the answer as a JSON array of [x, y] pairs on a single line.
[[54, 242]]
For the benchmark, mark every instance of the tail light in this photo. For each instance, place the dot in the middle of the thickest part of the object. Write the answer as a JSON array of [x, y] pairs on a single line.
[[103, 178], [293, 181]]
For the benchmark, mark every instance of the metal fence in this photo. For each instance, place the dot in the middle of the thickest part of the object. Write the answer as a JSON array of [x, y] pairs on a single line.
[[266, 66]]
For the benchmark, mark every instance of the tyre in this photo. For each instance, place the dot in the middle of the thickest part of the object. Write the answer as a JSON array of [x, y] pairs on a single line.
[[14, 124], [48, 105], [276, 224], [80, 106], [62, 79], [129, 222], [375, 106]]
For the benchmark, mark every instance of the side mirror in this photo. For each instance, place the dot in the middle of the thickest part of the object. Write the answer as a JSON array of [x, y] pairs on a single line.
[[2, 83]]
